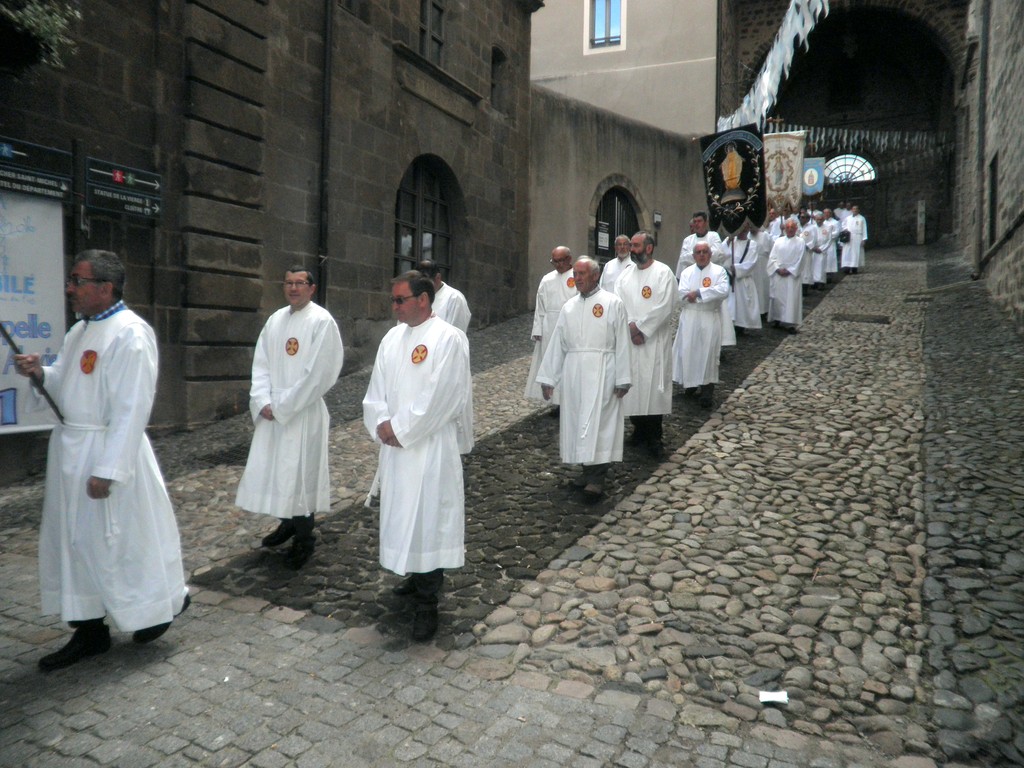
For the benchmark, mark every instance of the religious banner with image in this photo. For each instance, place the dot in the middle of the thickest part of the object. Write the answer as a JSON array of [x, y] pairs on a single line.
[[734, 178], [814, 176], [784, 170]]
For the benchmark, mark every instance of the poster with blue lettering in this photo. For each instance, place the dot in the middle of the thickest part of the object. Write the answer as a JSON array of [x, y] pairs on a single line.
[[31, 300]]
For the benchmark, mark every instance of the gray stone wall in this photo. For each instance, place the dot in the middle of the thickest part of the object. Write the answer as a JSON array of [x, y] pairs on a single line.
[[579, 152], [1001, 218]]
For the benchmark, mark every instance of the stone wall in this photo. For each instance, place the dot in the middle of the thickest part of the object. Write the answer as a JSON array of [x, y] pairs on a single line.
[[226, 100], [579, 152], [1001, 219]]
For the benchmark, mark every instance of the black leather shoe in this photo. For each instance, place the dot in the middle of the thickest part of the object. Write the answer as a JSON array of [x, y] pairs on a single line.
[[404, 587], [90, 639], [149, 634], [299, 554], [424, 624], [284, 531]]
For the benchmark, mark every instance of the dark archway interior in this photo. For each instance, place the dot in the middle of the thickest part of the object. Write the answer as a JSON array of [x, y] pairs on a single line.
[[875, 70]]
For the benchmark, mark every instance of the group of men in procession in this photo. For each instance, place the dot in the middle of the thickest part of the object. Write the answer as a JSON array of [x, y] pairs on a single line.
[[604, 350]]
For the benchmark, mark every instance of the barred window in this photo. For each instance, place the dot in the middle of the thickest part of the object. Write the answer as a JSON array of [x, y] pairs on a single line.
[[605, 23]]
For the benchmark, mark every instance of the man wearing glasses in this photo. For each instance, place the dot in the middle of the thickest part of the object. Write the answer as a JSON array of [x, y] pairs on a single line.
[[298, 358], [419, 408], [108, 544]]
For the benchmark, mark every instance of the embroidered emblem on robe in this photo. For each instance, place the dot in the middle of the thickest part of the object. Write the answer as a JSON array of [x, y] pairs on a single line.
[[88, 361], [291, 346], [706, 282], [419, 354], [598, 310], [646, 292], [571, 282]]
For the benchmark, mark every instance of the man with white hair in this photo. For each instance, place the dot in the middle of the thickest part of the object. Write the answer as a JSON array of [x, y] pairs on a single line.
[[588, 359]]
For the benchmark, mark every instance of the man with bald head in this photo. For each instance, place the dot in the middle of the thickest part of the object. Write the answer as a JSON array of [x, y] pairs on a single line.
[[703, 289], [556, 288], [785, 263], [588, 360]]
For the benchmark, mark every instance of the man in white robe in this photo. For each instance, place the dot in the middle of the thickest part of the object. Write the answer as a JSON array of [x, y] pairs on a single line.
[[449, 303], [108, 545], [614, 268], [853, 249], [786, 304], [765, 241], [831, 226], [418, 406], [298, 358], [701, 234], [589, 360], [703, 289], [745, 304], [809, 233], [556, 288], [648, 291]]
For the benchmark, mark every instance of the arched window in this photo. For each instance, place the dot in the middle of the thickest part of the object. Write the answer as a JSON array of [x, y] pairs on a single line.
[[422, 220], [848, 169]]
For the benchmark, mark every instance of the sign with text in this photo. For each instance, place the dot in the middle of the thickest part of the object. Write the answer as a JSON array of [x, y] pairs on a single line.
[[34, 170], [120, 189], [31, 299]]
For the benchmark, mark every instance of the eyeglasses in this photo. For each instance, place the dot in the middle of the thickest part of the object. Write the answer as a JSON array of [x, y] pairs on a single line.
[[561, 261], [295, 283], [77, 281], [400, 300]]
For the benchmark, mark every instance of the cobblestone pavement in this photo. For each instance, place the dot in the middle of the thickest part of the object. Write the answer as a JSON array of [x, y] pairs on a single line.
[[846, 527]]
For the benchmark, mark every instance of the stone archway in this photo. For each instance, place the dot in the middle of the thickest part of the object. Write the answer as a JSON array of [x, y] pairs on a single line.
[[619, 192]]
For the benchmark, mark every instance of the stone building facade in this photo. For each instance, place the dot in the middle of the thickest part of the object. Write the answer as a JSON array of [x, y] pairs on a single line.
[[352, 137]]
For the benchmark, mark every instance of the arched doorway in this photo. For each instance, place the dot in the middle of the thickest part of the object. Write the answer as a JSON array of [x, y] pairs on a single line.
[[616, 215], [889, 98]]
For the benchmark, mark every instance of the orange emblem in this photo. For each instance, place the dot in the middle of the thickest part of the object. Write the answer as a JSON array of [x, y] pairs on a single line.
[[291, 346], [598, 310], [706, 282], [646, 292], [419, 354], [88, 361], [571, 282]]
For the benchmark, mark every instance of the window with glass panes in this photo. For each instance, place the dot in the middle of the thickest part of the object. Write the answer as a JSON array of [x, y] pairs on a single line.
[[605, 23], [422, 222], [432, 30]]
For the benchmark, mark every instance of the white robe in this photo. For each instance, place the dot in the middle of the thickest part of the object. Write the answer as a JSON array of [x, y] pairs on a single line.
[[809, 234], [611, 272], [786, 304], [298, 357], [718, 256], [651, 301], [832, 233], [119, 556], [422, 382], [698, 342], [744, 301], [555, 289], [764, 243], [853, 251], [589, 357], [451, 306]]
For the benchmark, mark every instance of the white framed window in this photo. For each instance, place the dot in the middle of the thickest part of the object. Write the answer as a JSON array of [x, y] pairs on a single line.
[[846, 169], [605, 26]]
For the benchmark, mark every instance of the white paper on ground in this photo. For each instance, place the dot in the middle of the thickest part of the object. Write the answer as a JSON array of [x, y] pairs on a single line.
[[780, 697]]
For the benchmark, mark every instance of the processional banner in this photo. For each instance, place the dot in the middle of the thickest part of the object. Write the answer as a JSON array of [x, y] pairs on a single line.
[[734, 178], [784, 169]]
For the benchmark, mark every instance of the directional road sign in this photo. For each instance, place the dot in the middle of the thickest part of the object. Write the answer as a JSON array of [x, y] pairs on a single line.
[[35, 170], [120, 189]]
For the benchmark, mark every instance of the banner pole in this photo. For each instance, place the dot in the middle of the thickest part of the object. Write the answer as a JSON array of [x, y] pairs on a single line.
[[35, 382]]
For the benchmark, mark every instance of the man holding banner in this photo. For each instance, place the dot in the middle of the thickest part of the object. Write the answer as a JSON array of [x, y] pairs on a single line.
[[108, 545]]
